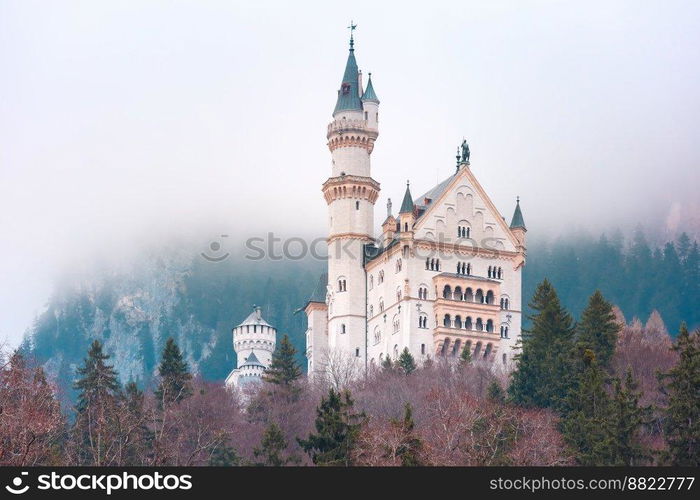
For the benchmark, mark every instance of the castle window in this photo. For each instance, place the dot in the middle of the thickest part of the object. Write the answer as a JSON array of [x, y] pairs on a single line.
[[422, 348], [381, 305], [447, 292], [396, 351], [357, 352], [342, 285], [396, 324], [398, 265], [342, 328], [366, 115], [468, 323], [469, 269], [479, 325], [405, 251], [427, 264], [447, 320], [489, 326], [458, 321], [357, 205], [371, 282], [377, 336], [371, 311], [405, 227], [422, 321], [381, 277], [398, 294], [504, 358]]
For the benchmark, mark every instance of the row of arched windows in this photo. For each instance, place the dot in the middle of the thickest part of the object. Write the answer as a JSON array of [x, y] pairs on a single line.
[[450, 348], [464, 268], [432, 264], [505, 303], [423, 293], [468, 295], [495, 272], [463, 232], [468, 323]]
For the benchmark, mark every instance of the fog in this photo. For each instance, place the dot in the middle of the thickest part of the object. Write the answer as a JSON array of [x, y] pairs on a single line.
[[131, 123]]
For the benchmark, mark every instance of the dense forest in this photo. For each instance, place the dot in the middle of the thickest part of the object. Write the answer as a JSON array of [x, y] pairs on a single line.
[[592, 391], [132, 312]]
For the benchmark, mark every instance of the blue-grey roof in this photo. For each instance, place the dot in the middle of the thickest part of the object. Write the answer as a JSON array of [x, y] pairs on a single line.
[[252, 360], [319, 293], [407, 203], [369, 94], [255, 318], [349, 93], [424, 201], [518, 221]]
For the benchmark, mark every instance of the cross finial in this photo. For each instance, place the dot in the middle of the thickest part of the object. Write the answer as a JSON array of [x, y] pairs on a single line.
[[352, 28], [517, 199]]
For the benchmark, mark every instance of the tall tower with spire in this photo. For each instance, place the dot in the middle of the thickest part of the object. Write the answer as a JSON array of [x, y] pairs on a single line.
[[351, 193]]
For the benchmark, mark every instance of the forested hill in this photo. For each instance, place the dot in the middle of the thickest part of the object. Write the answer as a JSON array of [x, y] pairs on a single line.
[[198, 302]]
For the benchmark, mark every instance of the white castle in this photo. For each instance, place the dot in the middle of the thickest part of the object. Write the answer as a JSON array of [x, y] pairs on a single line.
[[443, 276]]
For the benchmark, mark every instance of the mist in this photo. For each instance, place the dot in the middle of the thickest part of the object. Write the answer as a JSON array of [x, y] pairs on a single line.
[[126, 125]]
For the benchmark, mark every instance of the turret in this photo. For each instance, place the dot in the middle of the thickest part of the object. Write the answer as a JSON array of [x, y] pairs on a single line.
[[254, 341], [407, 215], [517, 225]]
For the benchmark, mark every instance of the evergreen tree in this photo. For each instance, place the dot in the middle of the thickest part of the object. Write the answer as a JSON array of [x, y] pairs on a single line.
[[598, 329], [496, 393], [410, 448], [96, 425], [466, 357], [544, 364], [175, 378], [138, 437], [387, 364], [586, 412], [224, 456], [682, 386], [284, 369], [272, 447], [406, 362], [337, 429], [625, 422]]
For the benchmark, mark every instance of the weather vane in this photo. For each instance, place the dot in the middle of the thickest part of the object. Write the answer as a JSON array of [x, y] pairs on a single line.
[[352, 28]]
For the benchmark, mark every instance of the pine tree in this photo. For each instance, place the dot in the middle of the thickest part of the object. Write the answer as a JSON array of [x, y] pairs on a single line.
[[224, 456], [387, 364], [175, 378], [466, 357], [134, 421], [544, 364], [586, 413], [272, 448], [284, 369], [682, 387], [625, 422], [411, 446], [406, 362], [598, 329], [496, 393], [96, 425], [337, 429]]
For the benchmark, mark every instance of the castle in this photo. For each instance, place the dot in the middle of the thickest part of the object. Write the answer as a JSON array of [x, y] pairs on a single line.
[[444, 274]]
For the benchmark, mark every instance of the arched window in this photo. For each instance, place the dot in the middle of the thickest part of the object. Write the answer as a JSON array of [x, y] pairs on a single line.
[[468, 323], [423, 293], [398, 265], [423, 321], [371, 281], [477, 349], [377, 336], [479, 325], [371, 311], [357, 205], [437, 264], [469, 269], [469, 295], [479, 297], [432, 264], [342, 285], [500, 273], [458, 295], [447, 292], [489, 273], [396, 323], [342, 328], [489, 297], [458, 321], [456, 346], [381, 305], [398, 294], [447, 321], [488, 349], [427, 263], [489, 326], [396, 351], [405, 251], [405, 227], [504, 358], [381, 277]]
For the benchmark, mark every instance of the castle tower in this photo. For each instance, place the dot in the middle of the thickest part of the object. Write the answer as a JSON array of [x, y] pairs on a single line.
[[254, 342], [350, 193]]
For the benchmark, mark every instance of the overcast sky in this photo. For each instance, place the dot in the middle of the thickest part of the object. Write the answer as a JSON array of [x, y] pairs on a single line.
[[123, 122]]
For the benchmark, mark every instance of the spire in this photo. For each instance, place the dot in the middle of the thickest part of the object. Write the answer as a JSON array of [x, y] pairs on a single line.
[[388, 208], [407, 204], [349, 93], [518, 221], [369, 94]]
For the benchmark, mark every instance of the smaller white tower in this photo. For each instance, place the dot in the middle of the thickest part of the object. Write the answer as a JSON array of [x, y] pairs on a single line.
[[254, 341]]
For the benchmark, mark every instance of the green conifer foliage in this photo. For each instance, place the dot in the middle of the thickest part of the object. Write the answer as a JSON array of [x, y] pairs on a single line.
[[175, 378], [284, 369]]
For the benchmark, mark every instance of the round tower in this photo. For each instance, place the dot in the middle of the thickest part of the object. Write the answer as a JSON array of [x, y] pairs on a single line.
[[351, 194], [254, 341]]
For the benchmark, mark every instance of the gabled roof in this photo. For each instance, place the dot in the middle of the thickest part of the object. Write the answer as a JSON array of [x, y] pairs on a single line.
[[518, 221], [369, 94], [349, 93], [423, 202]]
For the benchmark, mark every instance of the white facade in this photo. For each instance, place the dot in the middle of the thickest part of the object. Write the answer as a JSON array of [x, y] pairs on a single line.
[[254, 341], [452, 239]]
